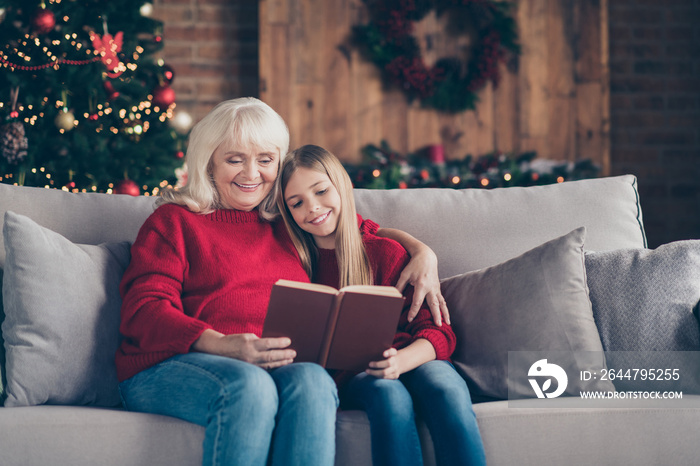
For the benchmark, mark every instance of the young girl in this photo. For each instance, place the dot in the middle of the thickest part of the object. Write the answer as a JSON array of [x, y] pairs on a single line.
[[316, 201]]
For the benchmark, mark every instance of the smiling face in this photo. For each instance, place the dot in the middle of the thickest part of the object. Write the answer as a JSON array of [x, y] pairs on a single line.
[[315, 205], [243, 177]]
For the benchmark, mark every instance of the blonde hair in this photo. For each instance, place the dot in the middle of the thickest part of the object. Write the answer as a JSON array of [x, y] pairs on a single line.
[[246, 123], [353, 263]]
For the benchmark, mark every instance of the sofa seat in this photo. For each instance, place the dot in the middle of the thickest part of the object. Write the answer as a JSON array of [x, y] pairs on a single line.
[[512, 436]]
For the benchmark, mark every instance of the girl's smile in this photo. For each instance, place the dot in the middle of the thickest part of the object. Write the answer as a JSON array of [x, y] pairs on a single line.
[[321, 218]]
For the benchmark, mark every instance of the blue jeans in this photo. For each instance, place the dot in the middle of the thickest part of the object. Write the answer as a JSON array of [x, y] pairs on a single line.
[[285, 416], [439, 396]]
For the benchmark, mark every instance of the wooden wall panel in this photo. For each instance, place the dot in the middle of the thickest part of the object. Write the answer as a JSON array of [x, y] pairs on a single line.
[[553, 99]]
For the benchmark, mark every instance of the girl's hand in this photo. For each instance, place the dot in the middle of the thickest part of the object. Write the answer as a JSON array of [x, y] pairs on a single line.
[[387, 368], [267, 353], [422, 273]]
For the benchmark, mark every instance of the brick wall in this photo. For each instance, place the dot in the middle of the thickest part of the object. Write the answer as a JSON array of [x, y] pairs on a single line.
[[655, 110], [212, 45], [655, 90]]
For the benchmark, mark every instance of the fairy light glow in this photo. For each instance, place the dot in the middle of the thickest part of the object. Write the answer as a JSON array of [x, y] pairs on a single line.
[[34, 52]]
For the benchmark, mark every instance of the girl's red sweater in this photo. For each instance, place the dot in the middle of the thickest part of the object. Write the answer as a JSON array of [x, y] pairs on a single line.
[[387, 259], [191, 272]]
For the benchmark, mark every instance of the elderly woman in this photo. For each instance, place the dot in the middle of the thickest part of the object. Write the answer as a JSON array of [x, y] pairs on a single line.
[[195, 296]]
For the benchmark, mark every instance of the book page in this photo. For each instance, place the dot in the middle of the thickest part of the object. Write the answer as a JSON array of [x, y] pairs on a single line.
[[365, 328], [306, 286], [373, 289], [303, 316]]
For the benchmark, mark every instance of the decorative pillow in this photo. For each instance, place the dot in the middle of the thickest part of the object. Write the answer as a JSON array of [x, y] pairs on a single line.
[[643, 299], [2, 351], [536, 302], [62, 312]]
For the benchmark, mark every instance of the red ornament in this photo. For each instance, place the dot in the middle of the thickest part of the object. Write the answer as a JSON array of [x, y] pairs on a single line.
[[179, 154], [111, 92], [43, 21], [163, 95], [436, 154], [168, 74], [126, 187], [108, 47]]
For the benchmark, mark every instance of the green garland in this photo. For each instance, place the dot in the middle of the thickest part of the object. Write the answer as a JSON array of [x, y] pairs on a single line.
[[450, 85], [385, 168]]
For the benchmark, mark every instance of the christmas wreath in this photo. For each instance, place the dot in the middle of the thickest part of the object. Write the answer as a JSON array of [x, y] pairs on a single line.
[[451, 84]]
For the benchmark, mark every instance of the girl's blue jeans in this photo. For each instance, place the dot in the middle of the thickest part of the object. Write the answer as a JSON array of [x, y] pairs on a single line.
[[439, 396], [251, 416]]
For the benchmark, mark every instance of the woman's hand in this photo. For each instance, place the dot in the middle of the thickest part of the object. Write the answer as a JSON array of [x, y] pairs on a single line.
[[267, 353], [387, 368], [422, 273]]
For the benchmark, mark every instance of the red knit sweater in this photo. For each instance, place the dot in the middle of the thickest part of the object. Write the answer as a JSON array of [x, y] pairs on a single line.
[[387, 259], [190, 272]]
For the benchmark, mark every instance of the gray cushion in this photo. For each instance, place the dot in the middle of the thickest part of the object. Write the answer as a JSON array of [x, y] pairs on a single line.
[[2, 352], [61, 325], [536, 302], [643, 299], [470, 229], [84, 218]]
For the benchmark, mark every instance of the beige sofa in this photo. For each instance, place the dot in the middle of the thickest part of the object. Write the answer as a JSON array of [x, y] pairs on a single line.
[[469, 230]]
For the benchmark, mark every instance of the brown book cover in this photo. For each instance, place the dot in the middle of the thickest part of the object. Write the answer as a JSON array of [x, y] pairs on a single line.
[[339, 329]]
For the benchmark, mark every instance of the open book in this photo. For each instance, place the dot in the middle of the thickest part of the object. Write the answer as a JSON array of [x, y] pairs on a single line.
[[338, 329]]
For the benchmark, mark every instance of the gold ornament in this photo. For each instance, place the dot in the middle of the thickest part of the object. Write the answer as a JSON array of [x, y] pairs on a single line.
[[65, 120]]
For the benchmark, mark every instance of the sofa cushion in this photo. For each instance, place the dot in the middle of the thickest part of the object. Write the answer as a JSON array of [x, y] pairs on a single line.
[[536, 302], [470, 229], [643, 299], [89, 436], [84, 218], [62, 309], [3, 381]]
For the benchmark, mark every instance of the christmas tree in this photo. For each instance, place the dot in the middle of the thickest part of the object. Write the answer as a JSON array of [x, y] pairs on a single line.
[[85, 101]]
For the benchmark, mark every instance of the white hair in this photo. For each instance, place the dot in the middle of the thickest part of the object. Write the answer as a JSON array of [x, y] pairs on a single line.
[[244, 123]]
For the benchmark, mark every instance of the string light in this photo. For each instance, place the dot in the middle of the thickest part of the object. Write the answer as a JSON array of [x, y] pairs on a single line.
[[32, 53]]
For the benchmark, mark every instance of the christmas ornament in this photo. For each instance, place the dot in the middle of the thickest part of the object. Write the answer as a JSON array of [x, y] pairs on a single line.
[[65, 120], [43, 21], [163, 95], [182, 122], [449, 85], [13, 142], [108, 47], [181, 174], [168, 74], [436, 153], [126, 187], [109, 88]]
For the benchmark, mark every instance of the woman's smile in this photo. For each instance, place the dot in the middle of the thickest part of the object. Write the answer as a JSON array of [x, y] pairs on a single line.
[[247, 187]]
